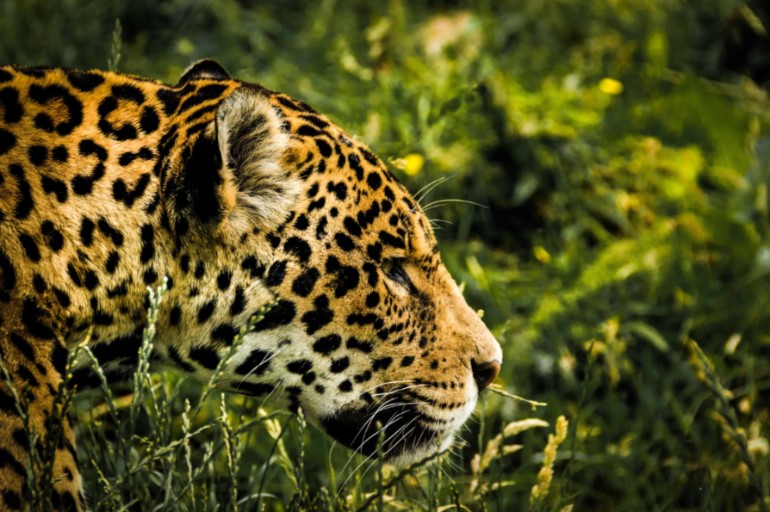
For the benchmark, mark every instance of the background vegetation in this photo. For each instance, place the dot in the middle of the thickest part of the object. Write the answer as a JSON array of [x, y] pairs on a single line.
[[620, 150]]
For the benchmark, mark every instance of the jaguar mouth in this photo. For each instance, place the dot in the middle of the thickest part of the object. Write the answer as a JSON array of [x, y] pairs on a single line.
[[400, 433]]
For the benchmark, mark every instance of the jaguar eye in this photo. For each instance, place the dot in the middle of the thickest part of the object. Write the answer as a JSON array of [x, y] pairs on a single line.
[[394, 270]]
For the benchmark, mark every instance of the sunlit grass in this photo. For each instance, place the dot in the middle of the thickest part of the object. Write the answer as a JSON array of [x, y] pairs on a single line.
[[620, 152], [166, 443]]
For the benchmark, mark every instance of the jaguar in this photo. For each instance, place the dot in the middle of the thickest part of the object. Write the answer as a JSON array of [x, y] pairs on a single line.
[[236, 197]]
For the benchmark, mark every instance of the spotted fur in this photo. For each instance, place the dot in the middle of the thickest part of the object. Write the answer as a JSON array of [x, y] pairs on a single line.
[[239, 196]]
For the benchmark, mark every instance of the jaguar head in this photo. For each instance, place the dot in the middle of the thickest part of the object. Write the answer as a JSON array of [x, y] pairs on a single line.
[[369, 334]]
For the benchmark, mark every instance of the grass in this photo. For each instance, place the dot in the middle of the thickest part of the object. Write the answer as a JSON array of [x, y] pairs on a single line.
[[621, 152], [167, 443]]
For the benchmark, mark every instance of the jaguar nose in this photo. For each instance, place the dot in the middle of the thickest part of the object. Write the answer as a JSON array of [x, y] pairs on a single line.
[[485, 373]]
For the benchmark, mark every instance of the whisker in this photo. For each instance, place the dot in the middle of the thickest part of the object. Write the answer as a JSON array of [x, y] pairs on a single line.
[[443, 202], [407, 381], [282, 385], [368, 457], [264, 362], [400, 432], [390, 420], [404, 436], [386, 405], [418, 441], [393, 445], [399, 390], [427, 189]]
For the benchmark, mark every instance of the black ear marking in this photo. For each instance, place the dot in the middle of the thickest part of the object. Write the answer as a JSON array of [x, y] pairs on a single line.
[[204, 69]]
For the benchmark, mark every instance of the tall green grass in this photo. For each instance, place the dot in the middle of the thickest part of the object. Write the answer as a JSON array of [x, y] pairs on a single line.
[[621, 154], [164, 442]]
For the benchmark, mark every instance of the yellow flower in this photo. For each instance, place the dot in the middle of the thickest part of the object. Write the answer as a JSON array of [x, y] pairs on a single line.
[[541, 254], [611, 86], [413, 163]]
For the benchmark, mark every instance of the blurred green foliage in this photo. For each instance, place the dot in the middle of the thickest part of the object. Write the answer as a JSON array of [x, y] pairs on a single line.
[[620, 152]]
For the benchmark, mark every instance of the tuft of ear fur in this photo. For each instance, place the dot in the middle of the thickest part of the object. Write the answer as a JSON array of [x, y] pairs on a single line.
[[232, 176], [205, 69], [252, 143]]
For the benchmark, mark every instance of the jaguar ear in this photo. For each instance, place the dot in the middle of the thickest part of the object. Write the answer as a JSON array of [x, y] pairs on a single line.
[[233, 176], [205, 69], [252, 144]]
